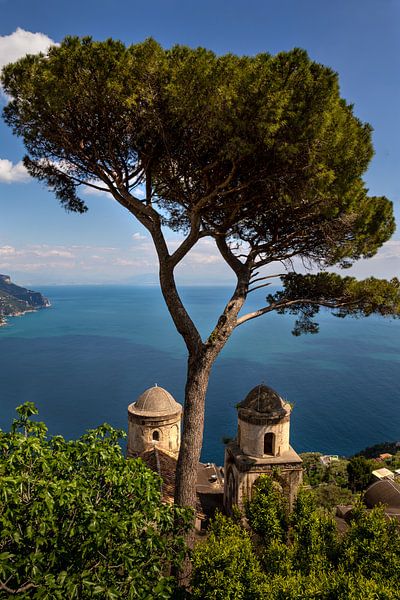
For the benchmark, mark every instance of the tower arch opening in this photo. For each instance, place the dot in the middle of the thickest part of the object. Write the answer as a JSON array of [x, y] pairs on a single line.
[[269, 443], [174, 437]]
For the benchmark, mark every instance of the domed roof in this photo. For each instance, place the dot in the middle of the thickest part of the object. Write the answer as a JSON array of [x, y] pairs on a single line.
[[264, 400], [155, 401], [385, 492]]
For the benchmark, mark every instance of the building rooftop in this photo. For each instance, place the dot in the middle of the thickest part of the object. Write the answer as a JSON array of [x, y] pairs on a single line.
[[383, 473], [209, 484], [385, 492], [245, 462], [263, 399], [155, 401]]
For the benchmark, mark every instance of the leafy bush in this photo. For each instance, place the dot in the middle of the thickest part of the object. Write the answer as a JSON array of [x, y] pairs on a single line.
[[359, 470], [372, 545], [267, 510], [315, 564], [78, 520], [329, 495], [225, 566]]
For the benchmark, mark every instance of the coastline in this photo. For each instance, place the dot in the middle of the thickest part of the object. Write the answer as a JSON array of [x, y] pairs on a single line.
[[4, 318], [16, 300]]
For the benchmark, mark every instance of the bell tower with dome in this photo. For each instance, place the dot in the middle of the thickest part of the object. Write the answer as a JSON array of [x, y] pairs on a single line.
[[154, 420], [261, 447]]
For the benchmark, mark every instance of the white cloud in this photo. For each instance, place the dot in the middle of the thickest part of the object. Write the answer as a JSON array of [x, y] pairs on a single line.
[[124, 262], [47, 253], [139, 237], [38, 251], [10, 173], [90, 191], [203, 259], [13, 47], [139, 192], [21, 42], [389, 250], [7, 251], [204, 253]]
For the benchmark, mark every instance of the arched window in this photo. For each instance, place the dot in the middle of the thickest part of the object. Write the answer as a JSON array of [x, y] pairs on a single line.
[[173, 438], [156, 436], [269, 443]]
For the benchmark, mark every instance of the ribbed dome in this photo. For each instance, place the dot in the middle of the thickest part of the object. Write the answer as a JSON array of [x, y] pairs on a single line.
[[263, 399], [156, 400], [385, 492]]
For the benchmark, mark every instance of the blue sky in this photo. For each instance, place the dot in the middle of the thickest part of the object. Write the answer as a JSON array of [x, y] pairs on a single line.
[[40, 243]]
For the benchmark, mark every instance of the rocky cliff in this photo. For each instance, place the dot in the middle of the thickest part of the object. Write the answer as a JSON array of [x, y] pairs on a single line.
[[17, 300]]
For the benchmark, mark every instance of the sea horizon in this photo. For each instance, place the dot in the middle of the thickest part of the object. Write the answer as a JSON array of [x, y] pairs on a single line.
[[89, 355]]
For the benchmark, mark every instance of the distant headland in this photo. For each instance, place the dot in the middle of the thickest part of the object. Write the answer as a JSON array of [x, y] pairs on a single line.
[[16, 300]]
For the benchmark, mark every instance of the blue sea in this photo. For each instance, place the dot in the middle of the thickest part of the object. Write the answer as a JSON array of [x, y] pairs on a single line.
[[86, 358]]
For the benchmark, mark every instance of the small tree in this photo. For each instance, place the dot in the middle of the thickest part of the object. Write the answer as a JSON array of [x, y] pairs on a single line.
[[315, 538], [329, 495], [372, 545], [260, 154], [267, 511], [225, 567], [359, 470], [77, 520]]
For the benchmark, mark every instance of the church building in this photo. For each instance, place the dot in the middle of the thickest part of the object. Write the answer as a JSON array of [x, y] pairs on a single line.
[[154, 420], [261, 447]]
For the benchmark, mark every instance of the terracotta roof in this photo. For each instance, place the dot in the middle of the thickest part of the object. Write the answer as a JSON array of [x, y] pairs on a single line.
[[209, 491], [164, 465]]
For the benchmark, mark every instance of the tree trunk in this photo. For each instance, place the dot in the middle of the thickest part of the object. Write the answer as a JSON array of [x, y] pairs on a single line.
[[198, 373], [200, 361], [199, 367]]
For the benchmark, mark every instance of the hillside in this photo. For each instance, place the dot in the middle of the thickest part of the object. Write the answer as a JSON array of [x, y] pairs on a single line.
[[17, 300]]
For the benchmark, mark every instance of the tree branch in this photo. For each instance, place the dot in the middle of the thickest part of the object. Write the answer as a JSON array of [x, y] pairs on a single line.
[[183, 323], [216, 190], [228, 319], [258, 287], [287, 303], [275, 276], [23, 588], [189, 242], [235, 264]]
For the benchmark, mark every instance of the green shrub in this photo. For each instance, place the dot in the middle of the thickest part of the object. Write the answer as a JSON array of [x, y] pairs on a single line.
[[267, 510], [225, 566], [78, 520]]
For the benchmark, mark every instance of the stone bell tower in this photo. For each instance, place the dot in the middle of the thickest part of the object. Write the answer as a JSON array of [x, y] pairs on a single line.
[[154, 420], [262, 447]]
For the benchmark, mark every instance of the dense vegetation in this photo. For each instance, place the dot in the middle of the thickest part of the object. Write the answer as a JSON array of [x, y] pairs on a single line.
[[382, 448], [330, 483], [77, 520], [340, 481], [298, 557]]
